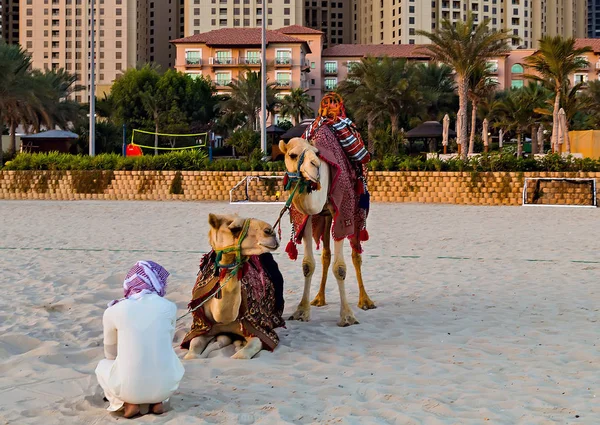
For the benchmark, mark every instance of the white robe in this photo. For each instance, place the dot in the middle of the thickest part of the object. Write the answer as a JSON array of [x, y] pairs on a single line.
[[146, 369]]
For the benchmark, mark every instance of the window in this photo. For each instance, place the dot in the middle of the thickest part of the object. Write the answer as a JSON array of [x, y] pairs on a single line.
[[284, 79], [517, 69], [331, 67], [580, 78], [194, 75], [516, 84], [223, 58], [252, 57], [193, 57], [223, 78], [492, 66], [283, 57], [330, 84]]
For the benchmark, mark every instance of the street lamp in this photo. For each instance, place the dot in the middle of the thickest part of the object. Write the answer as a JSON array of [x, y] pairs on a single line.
[[92, 138], [263, 82]]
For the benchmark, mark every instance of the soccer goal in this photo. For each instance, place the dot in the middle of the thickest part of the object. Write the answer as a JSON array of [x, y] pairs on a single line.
[[258, 190], [168, 142], [559, 192]]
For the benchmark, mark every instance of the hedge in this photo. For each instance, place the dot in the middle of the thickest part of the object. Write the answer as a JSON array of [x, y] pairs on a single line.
[[197, 161]]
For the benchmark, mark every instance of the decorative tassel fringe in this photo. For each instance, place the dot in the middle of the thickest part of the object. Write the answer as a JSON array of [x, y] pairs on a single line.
[[364, 201], [292, 251], [364, 235]]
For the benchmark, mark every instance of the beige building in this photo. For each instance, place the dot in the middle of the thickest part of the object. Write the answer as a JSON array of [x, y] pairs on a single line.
[[397, 21], [128, 32], [293, 57], [9, 21], [206, 15]]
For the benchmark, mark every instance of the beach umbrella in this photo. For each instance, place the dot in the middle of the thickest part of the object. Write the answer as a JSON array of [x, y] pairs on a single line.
[[540, 138], [563, 134], [500, 138], [485, 137], [446, 133], [458, 129]]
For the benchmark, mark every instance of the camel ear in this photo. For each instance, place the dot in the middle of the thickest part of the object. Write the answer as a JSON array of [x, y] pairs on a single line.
[[214, 220], [283, 146]]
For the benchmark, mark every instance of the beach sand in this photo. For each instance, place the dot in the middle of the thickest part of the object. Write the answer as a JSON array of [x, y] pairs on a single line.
[[486, 315]]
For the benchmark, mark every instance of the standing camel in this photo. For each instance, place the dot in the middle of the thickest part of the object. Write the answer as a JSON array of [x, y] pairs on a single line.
[[305, 160]]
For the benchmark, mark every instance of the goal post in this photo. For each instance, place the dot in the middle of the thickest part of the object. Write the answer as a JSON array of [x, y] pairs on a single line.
[[258, 190], [559, 192]]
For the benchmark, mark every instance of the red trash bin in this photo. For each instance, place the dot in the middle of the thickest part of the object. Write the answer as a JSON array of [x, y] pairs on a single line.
[[133, 150]]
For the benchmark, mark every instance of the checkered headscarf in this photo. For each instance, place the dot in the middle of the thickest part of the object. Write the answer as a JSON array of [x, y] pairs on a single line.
[[146, 277]]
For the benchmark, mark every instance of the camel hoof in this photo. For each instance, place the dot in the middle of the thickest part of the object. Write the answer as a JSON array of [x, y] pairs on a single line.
[[366, 304], [347, 320], [301, 316], [319, 301]]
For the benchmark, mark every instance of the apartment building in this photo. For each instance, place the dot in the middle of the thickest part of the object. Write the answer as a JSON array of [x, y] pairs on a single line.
[[508, 71], [205, 15], [333, 18], [9, 21], [293, 57], [593, 18], [397, 21], [127, 32]]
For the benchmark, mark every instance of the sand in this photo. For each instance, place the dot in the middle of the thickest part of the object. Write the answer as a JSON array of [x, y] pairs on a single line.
[[487, 315]]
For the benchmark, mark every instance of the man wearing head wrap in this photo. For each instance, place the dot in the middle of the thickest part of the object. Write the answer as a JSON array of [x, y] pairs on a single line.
[[141, 366]]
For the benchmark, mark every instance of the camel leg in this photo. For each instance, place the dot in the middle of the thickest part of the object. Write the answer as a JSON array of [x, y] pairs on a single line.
[[308, 268], [364, 302], [253, 346], [319, 300], [339, 271], [220, 342], [197, 347]]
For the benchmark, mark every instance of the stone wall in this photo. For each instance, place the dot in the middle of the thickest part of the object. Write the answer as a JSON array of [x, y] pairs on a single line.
[[386, 186]]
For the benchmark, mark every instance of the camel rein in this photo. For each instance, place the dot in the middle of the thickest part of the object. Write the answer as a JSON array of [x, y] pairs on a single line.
[[232, 268]]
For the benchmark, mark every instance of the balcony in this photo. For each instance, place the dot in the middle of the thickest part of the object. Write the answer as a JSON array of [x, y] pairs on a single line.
[[283, 61], [193, 62], [222, 61], [249, 61], [222, 84], [331, 70], [283, 84]]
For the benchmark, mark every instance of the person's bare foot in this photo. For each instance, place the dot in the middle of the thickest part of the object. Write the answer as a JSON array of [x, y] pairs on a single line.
[[157, 409], [131, 410]]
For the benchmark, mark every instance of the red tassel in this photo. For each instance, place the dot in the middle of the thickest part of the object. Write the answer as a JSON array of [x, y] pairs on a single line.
[[286, 179], [292, 251], [364, 235]]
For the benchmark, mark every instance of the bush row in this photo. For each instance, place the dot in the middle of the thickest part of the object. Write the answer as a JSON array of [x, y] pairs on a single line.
[[184, 161], [197, 161]]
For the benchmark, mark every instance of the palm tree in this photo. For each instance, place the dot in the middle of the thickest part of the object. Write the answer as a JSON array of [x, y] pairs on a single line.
[[17, 99], [553, 63], [439, 90], [593, 93], [296, 105], [481, 86], [378, 89], [465, 46], [245, 98], [152, 106]]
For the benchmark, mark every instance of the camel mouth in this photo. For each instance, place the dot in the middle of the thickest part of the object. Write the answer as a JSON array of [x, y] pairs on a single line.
[[269, 247], [313, 178]]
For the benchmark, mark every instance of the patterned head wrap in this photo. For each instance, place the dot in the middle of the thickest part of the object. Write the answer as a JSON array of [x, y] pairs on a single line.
[[146, 277]]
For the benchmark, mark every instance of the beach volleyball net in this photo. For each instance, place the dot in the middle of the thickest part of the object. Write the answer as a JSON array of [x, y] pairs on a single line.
[[168, 142], [258, 190], [560, 192]]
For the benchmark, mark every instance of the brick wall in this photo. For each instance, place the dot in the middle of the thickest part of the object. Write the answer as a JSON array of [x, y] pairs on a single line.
[[385, 186]]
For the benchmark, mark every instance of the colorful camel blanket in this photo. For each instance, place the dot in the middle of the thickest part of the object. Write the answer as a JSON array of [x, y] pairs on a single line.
[[346, 189], [262, 299]]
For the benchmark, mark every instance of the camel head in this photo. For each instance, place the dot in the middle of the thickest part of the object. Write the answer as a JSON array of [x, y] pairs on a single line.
[[225, 231], [293, 151]]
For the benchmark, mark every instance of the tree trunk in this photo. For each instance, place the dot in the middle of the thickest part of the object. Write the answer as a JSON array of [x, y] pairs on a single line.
[[394, 124], [567, 139], [13, 137], [156, 137], [473, 127], [519, 145], [463, 90], [533, 140], [555, 122], [370, 129]]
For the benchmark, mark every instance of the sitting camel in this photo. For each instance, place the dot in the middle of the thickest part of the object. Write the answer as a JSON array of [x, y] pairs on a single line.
[[248, 286], [302, 158]]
